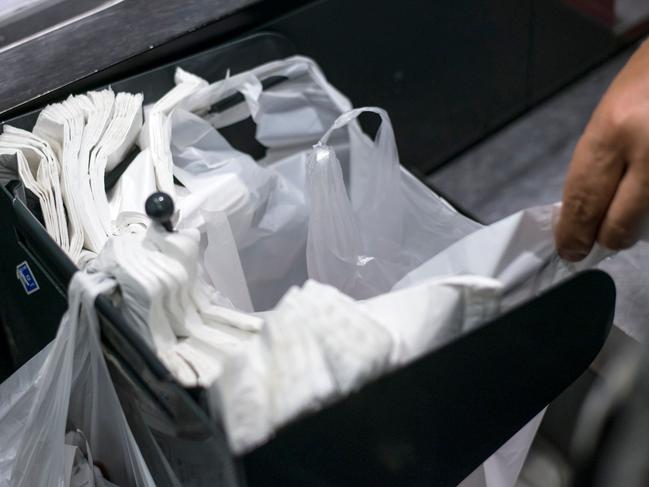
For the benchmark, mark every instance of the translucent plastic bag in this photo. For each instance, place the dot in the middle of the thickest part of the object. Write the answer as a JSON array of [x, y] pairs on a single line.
[[519, 253], [264, 200], [267, 214], [67, 387], [392, 223]]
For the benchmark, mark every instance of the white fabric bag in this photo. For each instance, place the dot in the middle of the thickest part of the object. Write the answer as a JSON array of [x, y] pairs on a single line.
[[67, 383]]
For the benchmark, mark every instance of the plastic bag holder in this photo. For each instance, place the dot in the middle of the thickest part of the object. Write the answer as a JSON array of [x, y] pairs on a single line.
[[160, 208], [429, 423], [111, 178]]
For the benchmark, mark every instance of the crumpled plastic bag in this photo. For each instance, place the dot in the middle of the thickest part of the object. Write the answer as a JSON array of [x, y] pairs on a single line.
[[264, 200], [319, 344], [391, 224], [518, 250], [67, 383], [266, 213], [80, 467], [520, 253]]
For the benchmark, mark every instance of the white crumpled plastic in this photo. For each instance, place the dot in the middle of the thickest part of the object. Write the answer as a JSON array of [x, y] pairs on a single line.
[[392, 223], [266, 212], [264, 200], [519, 252], [67, 383], [319, 344]]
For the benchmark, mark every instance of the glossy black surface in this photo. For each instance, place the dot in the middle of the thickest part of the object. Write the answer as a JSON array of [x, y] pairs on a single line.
[[434, 421], [129, 36], [159, 207], [449, 73]]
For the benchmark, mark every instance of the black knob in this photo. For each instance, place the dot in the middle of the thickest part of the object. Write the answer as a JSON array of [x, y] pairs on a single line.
[[160, 208]]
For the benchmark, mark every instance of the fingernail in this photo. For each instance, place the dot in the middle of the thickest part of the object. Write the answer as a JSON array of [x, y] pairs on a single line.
[[572, 255]]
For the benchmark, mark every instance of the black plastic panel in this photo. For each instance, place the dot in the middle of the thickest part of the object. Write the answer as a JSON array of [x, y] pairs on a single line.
[[433, 422], [429, 423], [449, 73]]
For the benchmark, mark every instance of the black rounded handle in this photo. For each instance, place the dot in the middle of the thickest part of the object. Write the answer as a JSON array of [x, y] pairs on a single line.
[[160, 208]]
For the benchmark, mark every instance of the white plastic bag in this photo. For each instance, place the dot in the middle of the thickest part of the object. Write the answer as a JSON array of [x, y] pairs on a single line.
[[268, 216], [80, 138], [392, 224], [221, 261], [67, 384], [264, 199], [61, 126], [319, 344], [519, 252], [290, 117]]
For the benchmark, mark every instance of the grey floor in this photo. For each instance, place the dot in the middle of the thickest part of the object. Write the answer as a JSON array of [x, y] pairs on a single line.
[[629, 13], [523, 165]]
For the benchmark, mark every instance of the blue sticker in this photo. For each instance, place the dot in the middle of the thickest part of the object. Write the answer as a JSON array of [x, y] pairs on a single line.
[[25, 276]]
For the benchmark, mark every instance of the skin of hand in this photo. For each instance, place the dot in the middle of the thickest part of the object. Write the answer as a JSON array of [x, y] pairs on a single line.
[[606, 194]]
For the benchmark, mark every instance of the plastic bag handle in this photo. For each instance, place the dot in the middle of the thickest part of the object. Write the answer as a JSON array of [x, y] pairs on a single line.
[[375, 176], [249, 85], [351, 115]]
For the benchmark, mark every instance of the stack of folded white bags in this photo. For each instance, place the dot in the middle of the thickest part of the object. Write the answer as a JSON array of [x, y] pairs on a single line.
[[64, 159], [286, 284]]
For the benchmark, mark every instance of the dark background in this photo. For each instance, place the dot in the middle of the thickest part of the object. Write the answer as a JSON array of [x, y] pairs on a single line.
[[449, 73]]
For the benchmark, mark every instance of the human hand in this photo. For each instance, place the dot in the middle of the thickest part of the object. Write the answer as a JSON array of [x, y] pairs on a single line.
[[606, 194]]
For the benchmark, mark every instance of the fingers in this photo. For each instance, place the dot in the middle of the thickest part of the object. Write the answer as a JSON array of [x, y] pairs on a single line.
[[592, 180], [630, 206]]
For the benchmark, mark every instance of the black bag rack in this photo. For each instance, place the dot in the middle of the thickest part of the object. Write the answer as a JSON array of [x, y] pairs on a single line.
[[431, 422]]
